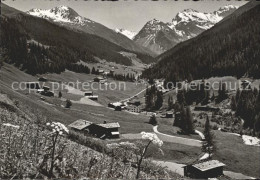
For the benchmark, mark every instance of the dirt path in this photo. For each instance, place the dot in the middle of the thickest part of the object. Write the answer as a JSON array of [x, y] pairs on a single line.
[[234, 175], [127, 99]]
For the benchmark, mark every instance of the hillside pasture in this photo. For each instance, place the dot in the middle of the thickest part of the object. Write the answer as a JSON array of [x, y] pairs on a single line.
[[52, 108]]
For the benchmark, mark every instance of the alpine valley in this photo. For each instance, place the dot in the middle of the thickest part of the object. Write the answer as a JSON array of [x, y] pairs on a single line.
[[177, 100], [160, 36]]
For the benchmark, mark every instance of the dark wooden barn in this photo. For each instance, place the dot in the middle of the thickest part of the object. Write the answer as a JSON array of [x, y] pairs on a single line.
[[106, 130], [103, 131], [88, 93], [33, 85], [204, 170], [93, 97], [169, 114], [43, 79], [80, 127]]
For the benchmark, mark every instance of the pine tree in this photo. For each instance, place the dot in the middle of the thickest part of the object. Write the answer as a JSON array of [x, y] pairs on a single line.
[[189, 121], [208, 145], [183, 119], [233, 103], [60, 94], [159, 100], [222, 92], [93, 70], [170, 103], [68, 103], [181, 97], [213, 97]]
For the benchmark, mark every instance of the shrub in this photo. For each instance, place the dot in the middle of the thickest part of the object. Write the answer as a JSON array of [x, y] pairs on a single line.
[[68, 103], [153, 120], [215, 127]]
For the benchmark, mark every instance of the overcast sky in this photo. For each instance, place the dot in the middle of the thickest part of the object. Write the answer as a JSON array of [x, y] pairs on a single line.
[[128, 14]]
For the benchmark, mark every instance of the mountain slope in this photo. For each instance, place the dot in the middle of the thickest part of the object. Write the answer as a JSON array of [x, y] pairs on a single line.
[[62, 46], [127, 33], [159, 36], [232, 47], [69, 18]]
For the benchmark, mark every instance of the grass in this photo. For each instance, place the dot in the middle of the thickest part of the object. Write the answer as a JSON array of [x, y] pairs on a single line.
[[166, 126], [129, 123], [33, 141], [177, 153], [230, 149], [236, 155], [173, 130], [124, 89]]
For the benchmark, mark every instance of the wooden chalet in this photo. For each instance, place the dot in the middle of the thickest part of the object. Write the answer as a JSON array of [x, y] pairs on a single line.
[[98, 79], [204, 170], [100, 71], [79, 127], [86, 128], [33, 85], [46, 88], [107, 130], [43, 79], [88, 93], [169, 114], [133, 108], [93, 97]]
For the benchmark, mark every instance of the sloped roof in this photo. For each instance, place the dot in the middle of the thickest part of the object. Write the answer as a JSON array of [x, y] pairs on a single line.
[[100, 78], [204, 166], [80, 124], [110, 125], [116, 104], [88, 92]]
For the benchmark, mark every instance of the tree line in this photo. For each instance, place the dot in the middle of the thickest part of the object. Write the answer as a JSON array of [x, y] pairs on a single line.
[[65, 47], [246, 104], [153, 99]]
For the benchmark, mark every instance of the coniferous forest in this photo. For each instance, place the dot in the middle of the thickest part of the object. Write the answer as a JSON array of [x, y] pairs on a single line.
[[59, 48]]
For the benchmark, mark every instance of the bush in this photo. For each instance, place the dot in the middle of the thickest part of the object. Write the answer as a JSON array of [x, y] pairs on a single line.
[[153, 120], [68, 103], [215, 127], [60, 94]]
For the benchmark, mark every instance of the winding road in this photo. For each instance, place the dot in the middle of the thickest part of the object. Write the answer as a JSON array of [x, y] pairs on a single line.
[[176, 139]]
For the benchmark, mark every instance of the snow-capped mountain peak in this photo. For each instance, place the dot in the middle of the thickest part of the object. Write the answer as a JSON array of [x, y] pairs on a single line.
[[160, 36], [223, 11], [63, 14], [154, 21], [127, 33]]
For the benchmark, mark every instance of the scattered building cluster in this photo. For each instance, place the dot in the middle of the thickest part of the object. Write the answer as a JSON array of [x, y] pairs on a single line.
[[43, 90], [134, 106], [118, 106]]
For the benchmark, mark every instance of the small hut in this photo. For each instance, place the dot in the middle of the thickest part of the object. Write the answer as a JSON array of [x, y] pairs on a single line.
[[169, 114], [204, 170]]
